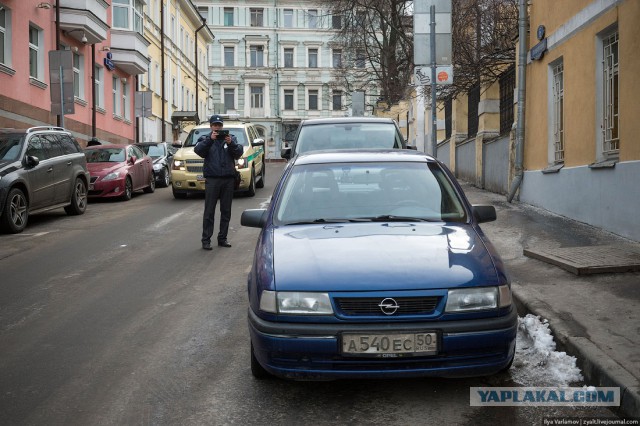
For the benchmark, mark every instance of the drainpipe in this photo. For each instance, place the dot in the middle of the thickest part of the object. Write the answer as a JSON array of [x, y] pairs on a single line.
[[204, 24], [522, 75], [162, 94], [93, 90], [59, 119]]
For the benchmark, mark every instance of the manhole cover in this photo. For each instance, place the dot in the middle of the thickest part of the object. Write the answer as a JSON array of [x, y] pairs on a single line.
[[588, 260]]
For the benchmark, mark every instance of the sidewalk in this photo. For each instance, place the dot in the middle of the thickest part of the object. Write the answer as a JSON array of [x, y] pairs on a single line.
[[595, 318]]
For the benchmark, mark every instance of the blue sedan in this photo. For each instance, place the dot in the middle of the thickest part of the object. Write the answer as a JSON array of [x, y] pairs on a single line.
[[371, 264]]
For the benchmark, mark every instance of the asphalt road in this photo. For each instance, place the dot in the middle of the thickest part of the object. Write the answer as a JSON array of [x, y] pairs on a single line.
[[118, 317]]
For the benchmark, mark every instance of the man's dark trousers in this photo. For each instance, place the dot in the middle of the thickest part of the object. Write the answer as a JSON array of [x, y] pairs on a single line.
[[217, 188]]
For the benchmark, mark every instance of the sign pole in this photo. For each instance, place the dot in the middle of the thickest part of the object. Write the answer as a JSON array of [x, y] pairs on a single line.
[[61, 73], [434, 117]]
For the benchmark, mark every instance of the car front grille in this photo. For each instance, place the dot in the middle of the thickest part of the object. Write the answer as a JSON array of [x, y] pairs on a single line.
[[194, 166], [370, 306]]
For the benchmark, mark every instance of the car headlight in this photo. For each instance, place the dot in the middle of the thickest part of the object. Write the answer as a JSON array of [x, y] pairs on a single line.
[[241, 163], [177, 165], [478, 299], [157, 167], [111, 176], [293, 302]]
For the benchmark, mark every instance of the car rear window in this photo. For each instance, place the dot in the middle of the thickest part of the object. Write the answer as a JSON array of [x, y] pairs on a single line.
[[346, 136]]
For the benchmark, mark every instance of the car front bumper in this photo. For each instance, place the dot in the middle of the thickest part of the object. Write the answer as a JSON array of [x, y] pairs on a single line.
[[106, 189], [312, 351]]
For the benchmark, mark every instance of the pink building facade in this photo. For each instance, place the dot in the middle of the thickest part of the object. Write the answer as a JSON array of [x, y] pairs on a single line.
[[108, 52]]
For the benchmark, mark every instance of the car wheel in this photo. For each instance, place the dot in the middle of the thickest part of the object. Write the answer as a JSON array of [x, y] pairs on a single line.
[[258, 370], [252, 185], [78, 199], [179, 195], [166, 181], [128, 189], [16, 212], [152, 185], [260, 183]]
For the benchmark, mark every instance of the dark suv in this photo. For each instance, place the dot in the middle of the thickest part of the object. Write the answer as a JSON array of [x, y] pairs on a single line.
[[41, 168], [161, 153]]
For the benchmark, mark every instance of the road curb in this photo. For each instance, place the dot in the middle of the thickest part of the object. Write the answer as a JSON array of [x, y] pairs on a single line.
[[597, 367]]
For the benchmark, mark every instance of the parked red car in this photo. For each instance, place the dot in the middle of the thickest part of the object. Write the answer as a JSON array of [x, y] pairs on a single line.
[[118, 170]]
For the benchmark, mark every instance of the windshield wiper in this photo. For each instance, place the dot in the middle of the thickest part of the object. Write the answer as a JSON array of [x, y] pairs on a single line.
[[320, 220], [393, 218]]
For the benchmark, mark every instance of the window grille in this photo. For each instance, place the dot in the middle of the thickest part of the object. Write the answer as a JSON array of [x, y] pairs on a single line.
[[611, 113], [472, 119], [507, 86], [558, 112]]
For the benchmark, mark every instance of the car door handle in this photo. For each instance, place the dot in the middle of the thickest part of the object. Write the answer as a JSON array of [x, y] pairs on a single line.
[[50, 169], [69, 163]]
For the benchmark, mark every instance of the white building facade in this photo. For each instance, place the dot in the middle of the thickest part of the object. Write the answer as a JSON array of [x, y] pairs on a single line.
[[273, 63]]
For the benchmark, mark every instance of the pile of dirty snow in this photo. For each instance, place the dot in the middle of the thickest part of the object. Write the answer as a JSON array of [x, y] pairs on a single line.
[[537, 363]]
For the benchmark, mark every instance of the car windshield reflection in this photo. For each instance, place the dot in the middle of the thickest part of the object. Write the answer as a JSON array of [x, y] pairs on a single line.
[[109, 155], [368, 192], [10, 147]]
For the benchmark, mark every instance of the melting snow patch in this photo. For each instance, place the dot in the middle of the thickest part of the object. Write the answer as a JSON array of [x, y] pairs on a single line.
[[537, 363]]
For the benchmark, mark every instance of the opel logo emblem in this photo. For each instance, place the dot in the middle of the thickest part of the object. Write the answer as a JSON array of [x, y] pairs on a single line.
[[388, 306]]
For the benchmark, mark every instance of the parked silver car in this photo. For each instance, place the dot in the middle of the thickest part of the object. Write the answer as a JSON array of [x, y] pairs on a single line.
[[41, 168]]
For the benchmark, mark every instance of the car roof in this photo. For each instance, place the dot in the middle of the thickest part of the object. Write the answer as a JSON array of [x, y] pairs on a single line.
[[226, 123], [361, 155], [341, 120], [106, 146], [150, 143]]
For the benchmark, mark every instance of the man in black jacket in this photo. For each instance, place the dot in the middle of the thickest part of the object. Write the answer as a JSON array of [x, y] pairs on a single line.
[[219, 170]]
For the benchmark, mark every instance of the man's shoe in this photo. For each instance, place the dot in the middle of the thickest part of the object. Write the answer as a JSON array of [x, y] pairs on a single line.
[[207, 246], [224, 243]]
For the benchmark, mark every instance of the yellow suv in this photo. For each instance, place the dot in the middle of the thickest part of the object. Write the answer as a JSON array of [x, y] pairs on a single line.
[[186, 165]]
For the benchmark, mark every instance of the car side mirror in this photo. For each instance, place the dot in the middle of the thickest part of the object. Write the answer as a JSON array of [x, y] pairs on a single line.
[[285, 153], [258, 142], [31, 161], [255, 218], [177, 145], [484, 213], [133, 159]]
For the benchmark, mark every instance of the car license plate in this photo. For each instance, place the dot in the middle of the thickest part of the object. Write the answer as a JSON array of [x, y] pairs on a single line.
[[389, 345], [200, 178]]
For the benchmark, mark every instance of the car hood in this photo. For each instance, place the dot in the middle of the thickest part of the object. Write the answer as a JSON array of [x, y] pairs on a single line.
[[101, 169], [380, 256], [186, 153]]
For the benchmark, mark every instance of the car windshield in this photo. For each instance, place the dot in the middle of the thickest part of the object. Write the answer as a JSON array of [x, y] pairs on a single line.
[[10, 146], [347, 136], [153, 151], [361, 192], [195, 134], [107, 155]]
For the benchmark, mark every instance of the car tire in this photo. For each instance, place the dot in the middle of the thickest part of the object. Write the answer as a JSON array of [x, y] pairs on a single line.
[[16, 212], [258, 370], [166, 178], [128, 189], [252, 184], [260, 183], [78, 199], [152, 185], [178, 195]]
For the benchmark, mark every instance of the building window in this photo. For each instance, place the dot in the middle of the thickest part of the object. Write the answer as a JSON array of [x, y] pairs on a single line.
[[157, 79], [229, 99], [313, 100], [257, 97], [288, 18], [507, 86], [125, 101], [472, 116], [174, 94], [360, 58], [257, 56], [337, 58], [448, 112], [288, 57], [78, 76], [204, 12], [115, 87], [127, 14], [288, 99], [99, 86], [313, 58], [336, 22], [558, 111], [5, 36], [611, 101], [313, 18], [337, 100], [36, 54], [229, 53], [228, 17], [256, 17]]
